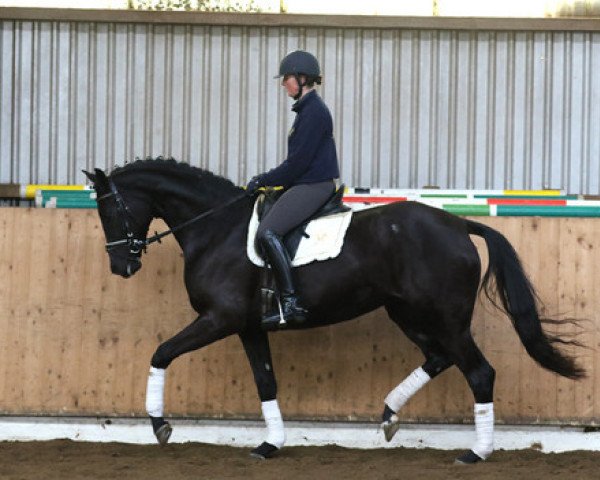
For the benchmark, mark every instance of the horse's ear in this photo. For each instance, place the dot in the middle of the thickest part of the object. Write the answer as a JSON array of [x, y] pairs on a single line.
[[101, 179], [89, 175], [98, 178]]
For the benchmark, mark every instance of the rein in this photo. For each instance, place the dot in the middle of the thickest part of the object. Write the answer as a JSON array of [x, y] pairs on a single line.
[[157, 236], [136, 245]]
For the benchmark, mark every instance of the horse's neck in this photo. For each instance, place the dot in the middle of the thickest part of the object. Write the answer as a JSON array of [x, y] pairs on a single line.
[[177, 208], [180, 205], [174, 198]]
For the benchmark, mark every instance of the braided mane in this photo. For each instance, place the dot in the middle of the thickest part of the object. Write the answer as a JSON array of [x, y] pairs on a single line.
[[169, 167]]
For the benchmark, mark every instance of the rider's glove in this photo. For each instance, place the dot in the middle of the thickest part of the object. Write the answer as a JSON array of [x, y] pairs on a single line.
[[254, 184]]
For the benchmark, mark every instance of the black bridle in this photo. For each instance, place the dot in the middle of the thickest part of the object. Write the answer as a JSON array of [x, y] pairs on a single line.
[[138, 245]]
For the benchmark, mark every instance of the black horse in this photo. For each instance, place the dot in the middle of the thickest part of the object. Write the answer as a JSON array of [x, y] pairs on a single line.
[[416, 261]]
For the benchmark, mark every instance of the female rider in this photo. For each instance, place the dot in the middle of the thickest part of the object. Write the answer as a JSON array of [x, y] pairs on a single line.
[[307, 175]]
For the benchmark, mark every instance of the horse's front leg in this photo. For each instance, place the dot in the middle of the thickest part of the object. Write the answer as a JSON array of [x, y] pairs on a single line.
[[201, 332], [256, 345]]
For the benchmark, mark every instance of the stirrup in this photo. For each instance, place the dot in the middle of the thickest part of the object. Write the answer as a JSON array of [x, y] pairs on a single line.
[[281, 320], [274, 322]]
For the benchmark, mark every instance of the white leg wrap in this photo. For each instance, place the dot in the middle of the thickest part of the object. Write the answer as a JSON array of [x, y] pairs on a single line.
[[155, 392], [409, 386], [484, 428], [275, 431]]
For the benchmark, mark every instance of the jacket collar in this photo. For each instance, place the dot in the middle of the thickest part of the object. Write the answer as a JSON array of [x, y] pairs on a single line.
[[305, 100]]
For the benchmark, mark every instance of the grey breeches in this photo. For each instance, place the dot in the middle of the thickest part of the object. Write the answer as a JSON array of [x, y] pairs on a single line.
[[295, 206]]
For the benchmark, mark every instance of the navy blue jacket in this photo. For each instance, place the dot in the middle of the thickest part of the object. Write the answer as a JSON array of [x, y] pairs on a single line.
[[312, 155]]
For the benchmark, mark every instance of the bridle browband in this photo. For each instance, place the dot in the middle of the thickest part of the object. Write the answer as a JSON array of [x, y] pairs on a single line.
[[137, 245]]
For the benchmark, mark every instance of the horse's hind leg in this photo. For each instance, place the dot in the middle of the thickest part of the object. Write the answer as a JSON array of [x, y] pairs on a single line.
[[441, 351], [435, 363], [256, 345], [395, 400], [480, 377]]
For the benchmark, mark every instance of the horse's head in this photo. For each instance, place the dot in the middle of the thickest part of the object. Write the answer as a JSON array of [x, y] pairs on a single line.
[[125, 220]]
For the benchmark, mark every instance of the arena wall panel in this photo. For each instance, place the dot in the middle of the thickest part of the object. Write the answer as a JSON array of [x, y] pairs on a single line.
[[458, 103], [77, 340]]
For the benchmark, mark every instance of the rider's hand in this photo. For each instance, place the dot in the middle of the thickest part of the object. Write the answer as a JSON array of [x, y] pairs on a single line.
[[254, 184]]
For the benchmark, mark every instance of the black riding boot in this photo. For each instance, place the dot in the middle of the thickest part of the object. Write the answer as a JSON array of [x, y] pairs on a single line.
[[277, 256]]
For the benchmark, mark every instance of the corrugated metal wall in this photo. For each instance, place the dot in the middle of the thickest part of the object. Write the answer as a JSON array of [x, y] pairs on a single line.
[[457, 109]]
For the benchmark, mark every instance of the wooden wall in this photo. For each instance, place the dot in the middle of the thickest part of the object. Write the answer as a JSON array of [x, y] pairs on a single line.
[[77, 340]]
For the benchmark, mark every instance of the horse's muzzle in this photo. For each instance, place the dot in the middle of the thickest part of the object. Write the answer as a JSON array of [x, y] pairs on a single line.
[[125, 269]]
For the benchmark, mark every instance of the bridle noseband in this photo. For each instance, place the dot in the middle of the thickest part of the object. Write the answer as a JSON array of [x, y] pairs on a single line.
[[137, 245]]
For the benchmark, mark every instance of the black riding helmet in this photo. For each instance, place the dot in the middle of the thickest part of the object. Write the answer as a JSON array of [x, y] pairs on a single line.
[[300, 63]]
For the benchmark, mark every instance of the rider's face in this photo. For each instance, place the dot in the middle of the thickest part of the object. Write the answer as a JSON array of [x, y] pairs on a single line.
[[291, 85]]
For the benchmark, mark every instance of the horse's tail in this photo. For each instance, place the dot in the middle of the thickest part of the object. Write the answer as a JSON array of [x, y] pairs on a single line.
[[518, 299]]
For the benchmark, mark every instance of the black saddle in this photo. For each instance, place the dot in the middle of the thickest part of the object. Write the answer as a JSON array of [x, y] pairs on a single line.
[[292, 239]]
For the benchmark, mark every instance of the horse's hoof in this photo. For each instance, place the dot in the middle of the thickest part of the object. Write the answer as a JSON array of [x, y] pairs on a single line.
[[468, 458], [162, 429], [163, 434], [263, 451], [390, 426]]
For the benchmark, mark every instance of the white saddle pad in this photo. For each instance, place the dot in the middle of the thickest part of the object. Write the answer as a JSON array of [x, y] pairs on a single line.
[[326, 237]]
